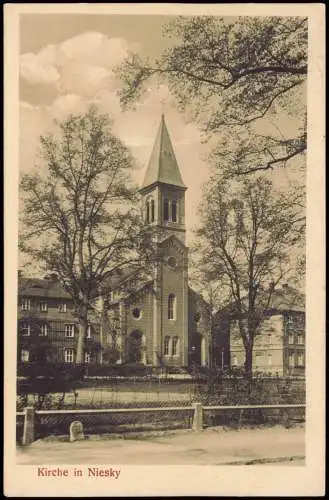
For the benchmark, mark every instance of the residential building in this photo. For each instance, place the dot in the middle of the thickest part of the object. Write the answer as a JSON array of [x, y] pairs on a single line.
[[279, 346]]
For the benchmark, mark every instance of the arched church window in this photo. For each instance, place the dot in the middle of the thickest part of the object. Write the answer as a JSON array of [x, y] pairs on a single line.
[[152, 211], [166, 210], [171, 306], [175, 346], [174, 211], [147, 211], [166, 346]]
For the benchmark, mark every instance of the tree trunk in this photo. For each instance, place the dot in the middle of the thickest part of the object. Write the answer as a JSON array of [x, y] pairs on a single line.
[[83, 325], [248, 359]]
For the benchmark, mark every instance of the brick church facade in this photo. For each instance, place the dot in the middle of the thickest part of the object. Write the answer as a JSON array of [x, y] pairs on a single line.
[[163, 323]]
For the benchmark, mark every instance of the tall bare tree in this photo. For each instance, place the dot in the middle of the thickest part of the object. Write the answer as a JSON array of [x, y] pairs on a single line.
[[80, 215], [230, 74], [246, 241]]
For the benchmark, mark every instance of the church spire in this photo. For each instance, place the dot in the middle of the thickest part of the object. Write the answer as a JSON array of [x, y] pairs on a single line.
[[163, 167]]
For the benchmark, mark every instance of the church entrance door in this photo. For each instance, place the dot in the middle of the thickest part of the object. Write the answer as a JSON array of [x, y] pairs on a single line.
[[134, 347]]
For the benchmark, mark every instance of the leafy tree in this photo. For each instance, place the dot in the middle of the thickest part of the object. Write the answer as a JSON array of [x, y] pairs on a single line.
[[230, 74], [80, 214], [245, 242]]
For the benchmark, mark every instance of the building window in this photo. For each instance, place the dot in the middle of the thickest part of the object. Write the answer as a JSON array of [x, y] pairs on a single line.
[[25, 355], [291, 339], [258, 359], [43, 306], [300, 359], [69, 331], [171, 306], [174, 211], [291, 360], [88, 332], [87, 357], [166, 350], [166, 210], [69, 355], [269, 360], [152, 211], [26, 305], [137, 313], [269, 339], [44, 330], [234, 360], [62, 308], [175, 346], [300, 339], [26, 328]]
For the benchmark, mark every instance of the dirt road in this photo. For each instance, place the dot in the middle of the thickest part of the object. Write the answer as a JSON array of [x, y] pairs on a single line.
[[213, 446]]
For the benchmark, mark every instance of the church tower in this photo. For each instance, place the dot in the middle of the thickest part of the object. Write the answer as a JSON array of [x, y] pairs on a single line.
[[163, 188], [163, 192]]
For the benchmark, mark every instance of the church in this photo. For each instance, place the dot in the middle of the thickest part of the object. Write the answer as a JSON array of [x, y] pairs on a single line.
[[157, 323], [166, 323]]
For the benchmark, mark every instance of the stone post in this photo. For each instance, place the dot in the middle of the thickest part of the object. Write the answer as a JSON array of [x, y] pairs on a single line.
[[28, 431], [197, 417]]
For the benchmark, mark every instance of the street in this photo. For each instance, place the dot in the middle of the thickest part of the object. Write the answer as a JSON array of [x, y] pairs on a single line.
[[213, 446]]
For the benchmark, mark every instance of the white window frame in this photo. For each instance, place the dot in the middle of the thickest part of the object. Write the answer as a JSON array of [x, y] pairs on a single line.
[[300, 356], [300, 339], [26, 304], [25, 355], [69, 329], [89, 331], [291, 339], [167, 346], [234, 360], [87, 357], [62, 308], [43, 306], [43, 330], [25, 327], [175, 346], [69, 355], [291, 360]]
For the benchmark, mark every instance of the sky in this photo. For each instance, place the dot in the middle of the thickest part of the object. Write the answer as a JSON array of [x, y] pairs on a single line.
[[66, 63]]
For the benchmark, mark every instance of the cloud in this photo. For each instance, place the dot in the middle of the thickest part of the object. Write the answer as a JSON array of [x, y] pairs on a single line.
[[36, 69], [81, 65]]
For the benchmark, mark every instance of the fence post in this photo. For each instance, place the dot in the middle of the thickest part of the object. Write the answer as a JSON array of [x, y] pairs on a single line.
[[29, 430], [197, 417]]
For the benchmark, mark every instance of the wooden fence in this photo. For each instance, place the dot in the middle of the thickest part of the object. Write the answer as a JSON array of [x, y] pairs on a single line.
[[197, 411]]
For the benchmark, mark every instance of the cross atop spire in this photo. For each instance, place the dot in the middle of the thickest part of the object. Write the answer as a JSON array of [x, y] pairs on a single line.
[[163, 167]]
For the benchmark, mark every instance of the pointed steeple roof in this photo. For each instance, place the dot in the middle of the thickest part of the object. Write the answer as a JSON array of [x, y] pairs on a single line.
[[163, 166]]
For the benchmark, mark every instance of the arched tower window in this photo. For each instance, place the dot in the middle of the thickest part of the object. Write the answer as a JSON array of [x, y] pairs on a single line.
[[152, 211], [171, 306], [174, 211], [166, 210], [147, 211]]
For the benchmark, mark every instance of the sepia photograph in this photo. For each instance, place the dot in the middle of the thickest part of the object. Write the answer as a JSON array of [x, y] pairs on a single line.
[[160, 282]]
